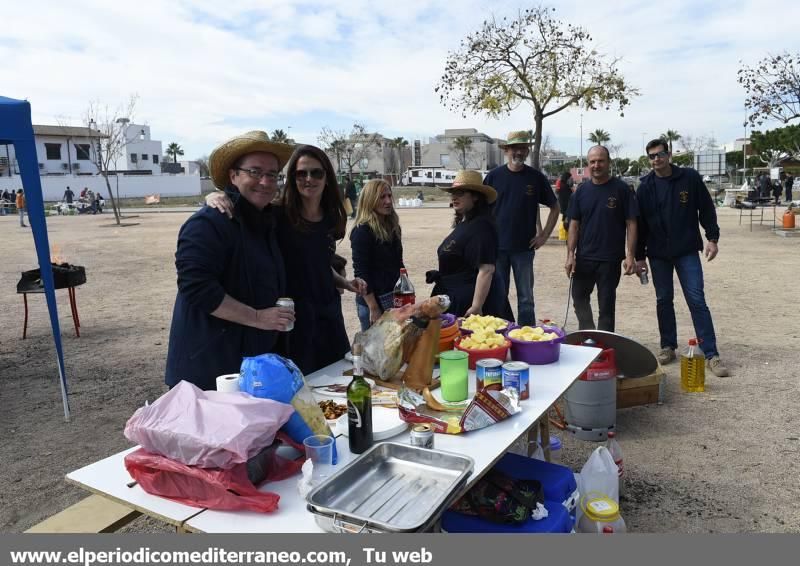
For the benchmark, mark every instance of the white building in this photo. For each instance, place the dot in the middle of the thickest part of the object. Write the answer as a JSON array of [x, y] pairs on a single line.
[[482, 154], [141, 155], [61, 150]]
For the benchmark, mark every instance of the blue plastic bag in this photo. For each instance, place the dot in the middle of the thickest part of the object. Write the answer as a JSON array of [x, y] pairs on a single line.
[[270, 376]]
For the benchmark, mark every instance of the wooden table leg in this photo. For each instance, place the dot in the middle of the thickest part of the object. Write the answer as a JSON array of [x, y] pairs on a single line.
[[544, 431], [73, 305], [25, 325]]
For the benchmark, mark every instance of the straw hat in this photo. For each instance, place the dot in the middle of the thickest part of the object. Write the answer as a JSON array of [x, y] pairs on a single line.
[[226, 154], [467, 180], [520, 137]]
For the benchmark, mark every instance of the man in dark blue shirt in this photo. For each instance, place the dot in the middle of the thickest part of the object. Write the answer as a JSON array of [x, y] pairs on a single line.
[[671, 202], [601, 214], [520, 190]]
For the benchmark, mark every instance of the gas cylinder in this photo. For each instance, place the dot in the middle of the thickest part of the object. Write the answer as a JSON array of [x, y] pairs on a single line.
[[788, 219]]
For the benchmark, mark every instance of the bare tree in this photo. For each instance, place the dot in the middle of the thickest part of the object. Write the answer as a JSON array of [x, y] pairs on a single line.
[[535, 59], [773, 88], [109, 133], [348, 149], [202, 164], [613, 152]]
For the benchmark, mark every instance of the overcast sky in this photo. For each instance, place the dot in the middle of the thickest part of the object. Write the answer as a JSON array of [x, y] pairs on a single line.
[[203, 74]]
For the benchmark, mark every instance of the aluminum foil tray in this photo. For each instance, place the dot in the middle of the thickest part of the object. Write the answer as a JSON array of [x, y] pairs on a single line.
[[392, 487]]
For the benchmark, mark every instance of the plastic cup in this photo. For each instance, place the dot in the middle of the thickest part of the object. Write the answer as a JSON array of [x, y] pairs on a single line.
[[454, 374], [319, 449]]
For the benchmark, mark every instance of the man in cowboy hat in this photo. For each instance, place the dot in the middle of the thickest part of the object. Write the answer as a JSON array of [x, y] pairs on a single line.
[[520, 190], [601, 214], [230, 271]]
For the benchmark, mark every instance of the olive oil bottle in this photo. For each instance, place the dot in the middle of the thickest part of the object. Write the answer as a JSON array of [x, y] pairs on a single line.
[[359, 407], [693, 369]]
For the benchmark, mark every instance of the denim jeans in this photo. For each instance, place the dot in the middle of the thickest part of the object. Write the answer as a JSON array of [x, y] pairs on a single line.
[[363, 315], [522, 263], [690, 275], [604, 274]]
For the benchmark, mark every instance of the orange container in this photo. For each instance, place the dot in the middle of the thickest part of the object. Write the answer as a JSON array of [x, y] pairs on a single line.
[[788, 219], [499, 353], [447, 337]]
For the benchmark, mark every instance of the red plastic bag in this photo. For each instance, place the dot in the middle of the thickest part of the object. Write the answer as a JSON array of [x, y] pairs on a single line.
[[214, 488]]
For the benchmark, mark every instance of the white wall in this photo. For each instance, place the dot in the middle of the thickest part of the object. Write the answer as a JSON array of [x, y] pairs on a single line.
[[129, 187]]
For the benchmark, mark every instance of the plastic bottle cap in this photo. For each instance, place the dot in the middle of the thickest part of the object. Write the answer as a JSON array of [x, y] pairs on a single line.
[[692, 342], [611, 434]]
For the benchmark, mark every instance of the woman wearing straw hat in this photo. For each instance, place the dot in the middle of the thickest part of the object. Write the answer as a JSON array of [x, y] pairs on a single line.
[[310, 220], [468, 254], [377, 250], [230, 272]]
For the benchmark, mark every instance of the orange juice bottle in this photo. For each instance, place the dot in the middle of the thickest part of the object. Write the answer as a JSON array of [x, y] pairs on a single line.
[[693, 368]]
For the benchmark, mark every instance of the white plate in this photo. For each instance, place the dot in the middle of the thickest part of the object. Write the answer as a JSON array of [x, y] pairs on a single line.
[[319, 390], [386, 423]]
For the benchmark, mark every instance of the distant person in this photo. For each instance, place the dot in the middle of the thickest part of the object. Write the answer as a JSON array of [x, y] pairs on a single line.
[[99, 202], [520, 190], [787, 187], [672, 200], [351, 194], [20, 202], [763, 186], [420, 195], [565, 186], [68, 196], [776, 190], [602, 215], [83, 193]]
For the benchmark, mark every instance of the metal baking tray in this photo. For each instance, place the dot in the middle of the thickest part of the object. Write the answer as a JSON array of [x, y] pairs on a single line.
[[392, 487]]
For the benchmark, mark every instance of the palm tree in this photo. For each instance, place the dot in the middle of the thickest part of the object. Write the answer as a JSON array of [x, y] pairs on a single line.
[[462, 144], [670, 137], [174, 150], [280, 136], [398, 144], [599, 137]]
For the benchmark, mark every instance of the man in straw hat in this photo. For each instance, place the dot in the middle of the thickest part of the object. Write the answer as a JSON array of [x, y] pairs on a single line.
[[520, 190], [230, 272], [468, 255]]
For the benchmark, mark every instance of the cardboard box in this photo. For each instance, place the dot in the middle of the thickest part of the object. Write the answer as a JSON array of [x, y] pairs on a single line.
[[635, 391]]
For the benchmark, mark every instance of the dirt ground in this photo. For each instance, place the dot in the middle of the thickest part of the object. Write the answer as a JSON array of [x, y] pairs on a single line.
[[721, 461]]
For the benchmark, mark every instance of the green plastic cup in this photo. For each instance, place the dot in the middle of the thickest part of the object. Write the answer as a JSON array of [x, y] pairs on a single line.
[[454, 375]]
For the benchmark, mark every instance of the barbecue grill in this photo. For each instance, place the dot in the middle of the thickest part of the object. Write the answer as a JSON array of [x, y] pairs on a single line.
[[65, 276]]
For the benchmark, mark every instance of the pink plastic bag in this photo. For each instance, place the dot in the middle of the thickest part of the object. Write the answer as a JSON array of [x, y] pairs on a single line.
[[208, 429]]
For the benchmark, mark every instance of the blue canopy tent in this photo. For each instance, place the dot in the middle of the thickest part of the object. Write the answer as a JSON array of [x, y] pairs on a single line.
[[16, 128]]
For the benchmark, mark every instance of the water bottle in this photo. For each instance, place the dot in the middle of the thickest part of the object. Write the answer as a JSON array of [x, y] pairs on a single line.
[[615, 450], [693, 368]]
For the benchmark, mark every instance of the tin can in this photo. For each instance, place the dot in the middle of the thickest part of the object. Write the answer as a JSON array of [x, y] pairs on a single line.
[[643, 277], [422, 436], [286, 303], [488, 374], [516, 375]]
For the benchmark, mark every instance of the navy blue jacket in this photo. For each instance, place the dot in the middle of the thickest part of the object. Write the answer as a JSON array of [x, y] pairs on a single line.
[[378, 263], [216, 256], [669, 227]]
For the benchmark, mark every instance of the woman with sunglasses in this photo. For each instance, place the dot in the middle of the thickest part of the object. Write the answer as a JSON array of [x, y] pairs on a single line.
[[377, 250], [310, 220], [468, 255]]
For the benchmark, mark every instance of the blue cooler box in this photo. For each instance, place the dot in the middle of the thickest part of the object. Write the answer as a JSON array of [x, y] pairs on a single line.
[[560, 494]]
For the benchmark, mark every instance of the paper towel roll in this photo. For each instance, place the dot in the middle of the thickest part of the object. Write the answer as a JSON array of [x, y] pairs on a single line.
[[228, 383]]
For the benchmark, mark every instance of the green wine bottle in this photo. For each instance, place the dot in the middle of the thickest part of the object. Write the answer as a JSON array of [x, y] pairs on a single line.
[[359, 407]]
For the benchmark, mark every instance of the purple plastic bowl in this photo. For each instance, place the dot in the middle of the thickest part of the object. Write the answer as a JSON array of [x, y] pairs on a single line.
[[448, 319], [536, 353]]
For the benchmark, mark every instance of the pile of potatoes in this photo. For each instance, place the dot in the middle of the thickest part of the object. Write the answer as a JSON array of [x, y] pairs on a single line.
[[531, 334]]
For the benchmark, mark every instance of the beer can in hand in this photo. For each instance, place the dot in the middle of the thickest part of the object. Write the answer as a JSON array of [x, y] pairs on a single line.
[[286, 303], [643, 277]]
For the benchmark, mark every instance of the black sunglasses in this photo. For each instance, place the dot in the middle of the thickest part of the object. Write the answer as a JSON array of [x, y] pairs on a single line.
[[316, 173], [661, 153]]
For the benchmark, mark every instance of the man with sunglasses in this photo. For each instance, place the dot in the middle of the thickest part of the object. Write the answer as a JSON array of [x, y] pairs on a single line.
[[672, 200], [520, 190]]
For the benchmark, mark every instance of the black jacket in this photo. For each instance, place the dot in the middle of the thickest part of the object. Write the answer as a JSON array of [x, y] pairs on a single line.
[[669, 228]]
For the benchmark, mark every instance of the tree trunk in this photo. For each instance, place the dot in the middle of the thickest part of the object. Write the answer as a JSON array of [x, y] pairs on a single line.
[[113, 201], [537, 137]]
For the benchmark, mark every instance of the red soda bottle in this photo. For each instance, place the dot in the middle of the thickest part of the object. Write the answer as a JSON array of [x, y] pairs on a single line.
[[403, 290]]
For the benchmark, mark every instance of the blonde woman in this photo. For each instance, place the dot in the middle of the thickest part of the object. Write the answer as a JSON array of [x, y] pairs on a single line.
[[377, 250]]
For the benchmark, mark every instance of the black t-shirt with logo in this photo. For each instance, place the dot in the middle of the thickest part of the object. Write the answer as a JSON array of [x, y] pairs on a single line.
[[602, 211]]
